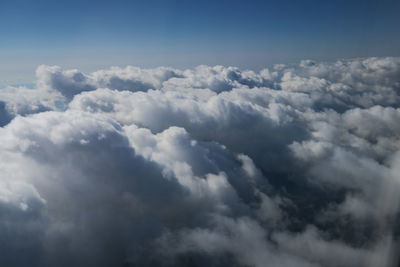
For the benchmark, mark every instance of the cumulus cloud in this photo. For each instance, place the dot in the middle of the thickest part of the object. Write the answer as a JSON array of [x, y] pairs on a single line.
[[72, 82], [297, 165]]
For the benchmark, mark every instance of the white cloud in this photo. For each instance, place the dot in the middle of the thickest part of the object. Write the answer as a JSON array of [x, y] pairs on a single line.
[[293, 166]]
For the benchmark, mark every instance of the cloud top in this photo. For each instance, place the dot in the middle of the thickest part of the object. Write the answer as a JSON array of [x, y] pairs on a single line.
[[297, 165]]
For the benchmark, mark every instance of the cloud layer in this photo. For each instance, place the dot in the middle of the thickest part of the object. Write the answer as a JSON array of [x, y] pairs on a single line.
[[297, 165]]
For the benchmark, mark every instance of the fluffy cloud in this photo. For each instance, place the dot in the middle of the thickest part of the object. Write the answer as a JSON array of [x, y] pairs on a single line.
[[72, 82], [297, 165]]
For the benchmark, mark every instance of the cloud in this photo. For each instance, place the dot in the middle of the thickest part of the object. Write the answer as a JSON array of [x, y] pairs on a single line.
[[72, 82], [297, 165]]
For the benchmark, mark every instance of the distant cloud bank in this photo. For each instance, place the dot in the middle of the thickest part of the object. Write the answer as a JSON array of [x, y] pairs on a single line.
[[297, 165]]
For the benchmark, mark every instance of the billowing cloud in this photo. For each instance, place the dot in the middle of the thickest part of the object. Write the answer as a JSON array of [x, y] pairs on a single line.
[[297, 165]]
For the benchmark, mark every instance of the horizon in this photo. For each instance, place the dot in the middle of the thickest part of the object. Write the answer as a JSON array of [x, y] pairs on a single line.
[[90, 35]]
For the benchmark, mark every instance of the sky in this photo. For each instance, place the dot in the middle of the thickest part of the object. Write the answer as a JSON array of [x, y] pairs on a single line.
[[250, 34], [162, 162]]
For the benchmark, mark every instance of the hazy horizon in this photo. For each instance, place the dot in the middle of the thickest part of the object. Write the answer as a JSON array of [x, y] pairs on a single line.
[[90, 35]]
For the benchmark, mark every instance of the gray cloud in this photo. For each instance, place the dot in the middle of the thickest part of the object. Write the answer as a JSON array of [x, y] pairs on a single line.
[[297, 165]]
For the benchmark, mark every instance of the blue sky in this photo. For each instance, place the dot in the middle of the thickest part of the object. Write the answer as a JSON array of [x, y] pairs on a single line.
[[249, 34]]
